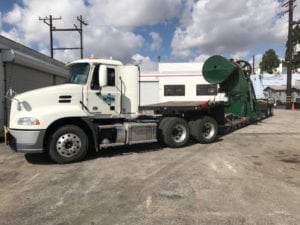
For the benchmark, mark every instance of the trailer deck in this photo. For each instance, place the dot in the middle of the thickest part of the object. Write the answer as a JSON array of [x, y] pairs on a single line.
[[180, 106]]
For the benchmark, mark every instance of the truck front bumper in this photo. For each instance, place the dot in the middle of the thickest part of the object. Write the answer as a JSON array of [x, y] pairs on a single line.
[[26, 141]]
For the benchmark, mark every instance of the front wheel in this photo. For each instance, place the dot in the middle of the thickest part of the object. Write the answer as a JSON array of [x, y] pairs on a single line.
[[67, 144]]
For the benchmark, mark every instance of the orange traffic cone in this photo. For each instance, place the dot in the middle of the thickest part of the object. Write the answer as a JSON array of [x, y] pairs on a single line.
[[293, 106]]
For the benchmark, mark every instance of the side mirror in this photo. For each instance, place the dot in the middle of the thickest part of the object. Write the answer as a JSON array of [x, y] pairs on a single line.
[[102, 76]]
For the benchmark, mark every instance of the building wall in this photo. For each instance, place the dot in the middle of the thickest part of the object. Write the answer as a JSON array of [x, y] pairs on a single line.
[[2, 94], [23, 69], [187, 74], [21, 78], [279, 96], [190, 83]]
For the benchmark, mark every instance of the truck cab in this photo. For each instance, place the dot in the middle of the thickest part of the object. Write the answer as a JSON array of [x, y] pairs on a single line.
[[96, 89], [107, 85]]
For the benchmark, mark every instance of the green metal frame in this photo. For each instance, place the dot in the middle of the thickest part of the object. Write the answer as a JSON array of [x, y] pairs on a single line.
[[235, 83]]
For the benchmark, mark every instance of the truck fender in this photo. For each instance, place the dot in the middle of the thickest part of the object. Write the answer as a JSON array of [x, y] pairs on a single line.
[[93, 128], [85, 123]]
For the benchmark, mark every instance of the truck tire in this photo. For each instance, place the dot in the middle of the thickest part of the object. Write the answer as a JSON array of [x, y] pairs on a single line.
[[160, 134], [204, 130], [67, 144], [175, 132]]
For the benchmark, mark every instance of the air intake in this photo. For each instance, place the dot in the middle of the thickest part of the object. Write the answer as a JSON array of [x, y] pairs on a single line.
[[65, 99]]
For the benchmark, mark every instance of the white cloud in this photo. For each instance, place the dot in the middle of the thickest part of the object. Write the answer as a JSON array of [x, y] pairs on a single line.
[[201, 58], [15, 15], [134, 13], [156, 41], [222, 27], [232, 27], [145, 63], [110, 30], [110, 42], [242, 55]]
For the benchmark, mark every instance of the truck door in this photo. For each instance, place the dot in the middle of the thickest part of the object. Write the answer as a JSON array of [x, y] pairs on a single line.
[[103, 97]]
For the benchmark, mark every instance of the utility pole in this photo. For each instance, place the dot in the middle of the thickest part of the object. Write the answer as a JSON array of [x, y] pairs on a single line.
[[54, 29], [289, 52], [80, 32], [49, 22], [253, 65]]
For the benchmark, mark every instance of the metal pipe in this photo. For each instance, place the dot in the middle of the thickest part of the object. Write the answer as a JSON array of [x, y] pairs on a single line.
[[5, 114]]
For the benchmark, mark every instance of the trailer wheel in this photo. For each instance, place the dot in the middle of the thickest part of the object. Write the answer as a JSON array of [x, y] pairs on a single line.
[[67, 144], [204, 130], [175, 132]]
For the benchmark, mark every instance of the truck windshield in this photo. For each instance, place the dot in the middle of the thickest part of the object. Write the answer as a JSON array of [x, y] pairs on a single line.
[[78, 73]]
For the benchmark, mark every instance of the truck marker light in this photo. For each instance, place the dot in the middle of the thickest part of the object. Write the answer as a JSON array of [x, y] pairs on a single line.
[[36, 122], [93, 57]]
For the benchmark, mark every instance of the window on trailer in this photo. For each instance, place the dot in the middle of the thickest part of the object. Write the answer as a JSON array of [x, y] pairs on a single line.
[[174, 90]]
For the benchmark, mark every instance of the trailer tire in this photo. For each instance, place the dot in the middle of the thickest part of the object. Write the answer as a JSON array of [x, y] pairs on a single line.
[[175, 132], [204, 130], [67, 144]]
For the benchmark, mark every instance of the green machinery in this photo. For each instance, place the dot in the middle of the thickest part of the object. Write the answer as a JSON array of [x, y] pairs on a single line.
[[234, 80]]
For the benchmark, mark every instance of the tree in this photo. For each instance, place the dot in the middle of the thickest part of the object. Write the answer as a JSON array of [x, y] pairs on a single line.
[[270, 61]]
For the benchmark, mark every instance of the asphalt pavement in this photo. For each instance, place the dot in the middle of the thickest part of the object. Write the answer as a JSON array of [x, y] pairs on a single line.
[[250, 176]]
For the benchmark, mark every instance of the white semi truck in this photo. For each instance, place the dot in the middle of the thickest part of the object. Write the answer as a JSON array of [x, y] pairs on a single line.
[[98, 107]]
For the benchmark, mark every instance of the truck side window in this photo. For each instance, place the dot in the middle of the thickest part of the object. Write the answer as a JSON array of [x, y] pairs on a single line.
[[95, 82], [111, 77]]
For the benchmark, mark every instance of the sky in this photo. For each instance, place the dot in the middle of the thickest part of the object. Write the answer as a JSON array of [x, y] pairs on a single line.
[[143, 31]]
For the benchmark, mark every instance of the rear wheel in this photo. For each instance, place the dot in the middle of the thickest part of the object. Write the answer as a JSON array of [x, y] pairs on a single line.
[[204, 130], [67, 144], [175, 132]]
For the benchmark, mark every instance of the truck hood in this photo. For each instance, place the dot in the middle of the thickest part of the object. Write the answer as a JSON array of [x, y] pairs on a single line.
[[64, 93], [47, 105]]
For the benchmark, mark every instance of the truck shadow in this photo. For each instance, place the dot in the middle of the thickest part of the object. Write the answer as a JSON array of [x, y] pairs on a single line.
[[39, 159], [44, 159]]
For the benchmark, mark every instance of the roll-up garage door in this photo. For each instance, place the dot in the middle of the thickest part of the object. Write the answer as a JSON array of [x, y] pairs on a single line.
[[21, 78]]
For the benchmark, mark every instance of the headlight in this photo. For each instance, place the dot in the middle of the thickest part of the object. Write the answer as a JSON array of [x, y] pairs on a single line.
[[28, 121]]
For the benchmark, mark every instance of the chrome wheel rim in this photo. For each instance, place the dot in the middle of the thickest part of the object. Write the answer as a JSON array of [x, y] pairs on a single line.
[[179, 133], [209, 130], [68, 145]]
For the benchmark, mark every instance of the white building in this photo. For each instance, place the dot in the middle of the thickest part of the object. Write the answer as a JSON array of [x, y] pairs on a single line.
[[176, 82]]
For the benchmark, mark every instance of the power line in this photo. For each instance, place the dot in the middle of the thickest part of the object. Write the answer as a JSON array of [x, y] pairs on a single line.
[[49, 22]]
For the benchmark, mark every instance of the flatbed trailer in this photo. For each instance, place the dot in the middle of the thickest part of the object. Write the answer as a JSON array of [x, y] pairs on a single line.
[[98, 108], [215, 109]]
